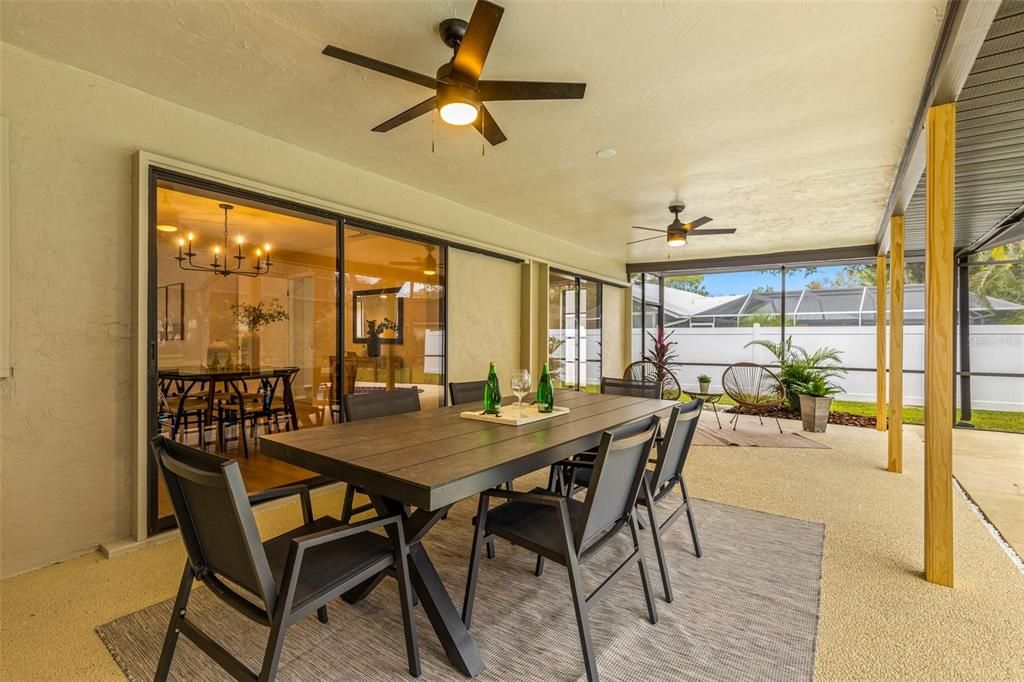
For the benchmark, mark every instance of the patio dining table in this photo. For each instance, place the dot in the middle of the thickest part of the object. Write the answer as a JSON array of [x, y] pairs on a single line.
[[418, 465]]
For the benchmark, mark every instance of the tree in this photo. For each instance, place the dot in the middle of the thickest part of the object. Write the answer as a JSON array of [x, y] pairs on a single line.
[[1001, 280], [692, 283]]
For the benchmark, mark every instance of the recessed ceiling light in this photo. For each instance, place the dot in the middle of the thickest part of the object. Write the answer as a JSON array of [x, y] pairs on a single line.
[[606, 153]]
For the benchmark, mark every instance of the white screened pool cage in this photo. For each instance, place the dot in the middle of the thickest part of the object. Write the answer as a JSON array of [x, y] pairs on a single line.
[[824, 307]]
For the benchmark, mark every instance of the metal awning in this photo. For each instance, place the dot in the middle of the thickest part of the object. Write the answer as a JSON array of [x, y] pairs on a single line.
[[990, 141]]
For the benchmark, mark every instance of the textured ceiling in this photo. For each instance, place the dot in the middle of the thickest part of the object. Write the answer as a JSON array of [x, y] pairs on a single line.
[[990, 138], [782, 120]]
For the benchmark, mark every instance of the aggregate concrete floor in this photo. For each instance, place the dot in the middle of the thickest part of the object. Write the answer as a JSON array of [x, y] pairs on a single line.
[[879, 619]]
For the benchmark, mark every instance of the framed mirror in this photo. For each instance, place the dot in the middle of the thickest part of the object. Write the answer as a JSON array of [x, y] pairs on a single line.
[[376, 305]]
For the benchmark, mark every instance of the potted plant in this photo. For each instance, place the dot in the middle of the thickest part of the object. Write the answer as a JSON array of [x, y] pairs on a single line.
[[705, 383], [253, 316], [373, 331], [815, 402]]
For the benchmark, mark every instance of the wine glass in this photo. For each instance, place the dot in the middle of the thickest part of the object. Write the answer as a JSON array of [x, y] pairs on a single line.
[[520, 387]]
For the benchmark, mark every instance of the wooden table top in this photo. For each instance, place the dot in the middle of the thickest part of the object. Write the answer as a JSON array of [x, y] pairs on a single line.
[[434, 458]]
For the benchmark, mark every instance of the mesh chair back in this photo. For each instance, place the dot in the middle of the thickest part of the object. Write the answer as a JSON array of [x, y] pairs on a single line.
[[215, 518], [466, 391], [642, 388], [360, 406], [615, 483], [753, 385], [675, 446]]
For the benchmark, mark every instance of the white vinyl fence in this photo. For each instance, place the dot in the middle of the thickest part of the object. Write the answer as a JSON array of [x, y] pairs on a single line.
[[995, 348]]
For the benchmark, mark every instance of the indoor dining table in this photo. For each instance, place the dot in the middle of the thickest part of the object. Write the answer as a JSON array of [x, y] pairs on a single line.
[[417, 465]]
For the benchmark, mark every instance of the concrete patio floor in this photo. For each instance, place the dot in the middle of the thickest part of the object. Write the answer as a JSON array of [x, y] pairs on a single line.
[[879, 619]]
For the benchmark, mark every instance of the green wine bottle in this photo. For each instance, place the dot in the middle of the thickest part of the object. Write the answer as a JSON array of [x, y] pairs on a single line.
[[545, 392], [492, 393]]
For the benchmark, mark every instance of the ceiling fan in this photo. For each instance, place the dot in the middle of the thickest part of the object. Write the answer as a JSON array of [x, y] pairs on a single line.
[[427, 263], [678, 232], [459, 94]]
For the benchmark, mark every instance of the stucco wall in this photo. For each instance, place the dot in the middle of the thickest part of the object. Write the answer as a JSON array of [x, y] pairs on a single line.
[[484, 298], [64, 417]]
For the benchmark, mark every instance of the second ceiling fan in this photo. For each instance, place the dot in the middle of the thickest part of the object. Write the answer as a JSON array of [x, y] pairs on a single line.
[[459, 94], [677, 231]]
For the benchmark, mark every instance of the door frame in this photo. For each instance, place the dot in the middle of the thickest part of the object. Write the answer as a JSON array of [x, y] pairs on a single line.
[[146, 168]]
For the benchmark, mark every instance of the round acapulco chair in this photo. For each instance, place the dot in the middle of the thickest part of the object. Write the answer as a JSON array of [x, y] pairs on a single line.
[[753, 387], [650, 371]]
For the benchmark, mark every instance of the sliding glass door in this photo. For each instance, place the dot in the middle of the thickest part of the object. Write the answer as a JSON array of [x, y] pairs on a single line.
[[574, 331], [263, 313], [394, 295]]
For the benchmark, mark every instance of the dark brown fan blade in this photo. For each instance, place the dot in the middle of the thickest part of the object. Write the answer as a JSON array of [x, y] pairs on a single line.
[[701, 233], [645, 240], [380, 67], [424, 107], [492, 91], [698, 222], [472, 53], [488, 127], [649, 229]]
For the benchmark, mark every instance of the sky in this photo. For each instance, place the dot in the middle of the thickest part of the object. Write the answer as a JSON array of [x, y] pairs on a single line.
[[733, 283]]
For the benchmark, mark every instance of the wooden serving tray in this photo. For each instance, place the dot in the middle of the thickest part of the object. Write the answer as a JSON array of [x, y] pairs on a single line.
[[510, 416]]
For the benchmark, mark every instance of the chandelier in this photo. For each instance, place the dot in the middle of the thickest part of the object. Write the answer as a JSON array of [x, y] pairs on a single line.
[[221, 259]]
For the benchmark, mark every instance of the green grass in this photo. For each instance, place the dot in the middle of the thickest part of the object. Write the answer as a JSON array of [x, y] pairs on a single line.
[[986, 420]]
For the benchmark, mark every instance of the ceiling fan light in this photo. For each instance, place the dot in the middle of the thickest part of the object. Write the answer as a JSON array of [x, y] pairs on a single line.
[[459, 113], [430, 265], [676, 239]]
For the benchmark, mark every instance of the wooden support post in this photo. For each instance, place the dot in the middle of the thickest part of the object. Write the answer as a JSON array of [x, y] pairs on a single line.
[[880, 363], [896, 276], [939, 344]]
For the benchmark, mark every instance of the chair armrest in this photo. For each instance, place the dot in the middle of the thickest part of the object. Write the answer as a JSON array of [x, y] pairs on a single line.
[[532, 498], [304, 542], [287, 491]]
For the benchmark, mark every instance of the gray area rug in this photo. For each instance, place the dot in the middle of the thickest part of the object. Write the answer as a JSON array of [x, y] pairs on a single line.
[[746, 610]]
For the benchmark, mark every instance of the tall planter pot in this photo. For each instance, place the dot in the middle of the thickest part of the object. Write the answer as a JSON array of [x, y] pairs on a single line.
[[249, 350], [814, 412]]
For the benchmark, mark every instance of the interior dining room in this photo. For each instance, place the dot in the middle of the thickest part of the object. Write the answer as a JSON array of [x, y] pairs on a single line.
[[250, 314]]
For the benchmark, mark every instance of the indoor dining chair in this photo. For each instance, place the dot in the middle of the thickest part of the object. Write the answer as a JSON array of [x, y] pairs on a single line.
[[360, 406], [275, 583], [571, 532], [669, 459]]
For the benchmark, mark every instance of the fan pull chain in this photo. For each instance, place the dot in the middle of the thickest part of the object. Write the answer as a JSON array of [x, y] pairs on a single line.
[[432, 148], [483, 133]]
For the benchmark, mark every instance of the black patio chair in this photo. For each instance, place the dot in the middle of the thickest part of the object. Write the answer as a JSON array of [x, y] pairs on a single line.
[[668, 462], [359, 406], [275, 583], [637, 388], [648, 387], [571, 532], [755, 388], [463, 392]]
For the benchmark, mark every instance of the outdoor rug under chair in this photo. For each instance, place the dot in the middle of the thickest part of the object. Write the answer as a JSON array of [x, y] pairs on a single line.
[[746, 610]]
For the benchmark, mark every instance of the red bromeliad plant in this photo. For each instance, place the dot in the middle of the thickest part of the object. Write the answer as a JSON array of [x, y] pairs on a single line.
[[661, 352]]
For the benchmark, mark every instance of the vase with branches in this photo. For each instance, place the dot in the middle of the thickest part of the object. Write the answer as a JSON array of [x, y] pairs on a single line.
[[253, 316], [373, 331]]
